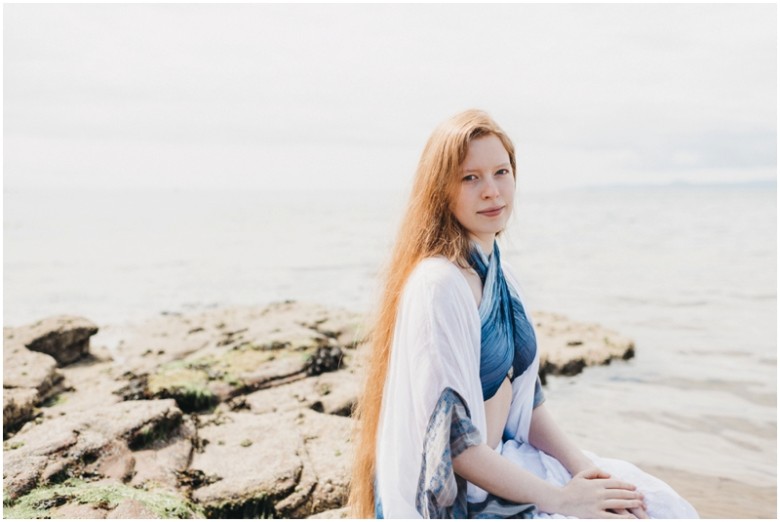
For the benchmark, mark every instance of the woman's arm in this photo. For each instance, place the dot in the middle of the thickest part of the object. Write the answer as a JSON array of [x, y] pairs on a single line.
[[545, 435], [590, 494]]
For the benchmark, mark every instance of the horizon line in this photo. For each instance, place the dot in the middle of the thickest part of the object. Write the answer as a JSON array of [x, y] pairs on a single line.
[[596, 186]]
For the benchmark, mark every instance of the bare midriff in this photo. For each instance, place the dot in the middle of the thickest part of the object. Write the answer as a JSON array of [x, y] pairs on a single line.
[[496, 413]]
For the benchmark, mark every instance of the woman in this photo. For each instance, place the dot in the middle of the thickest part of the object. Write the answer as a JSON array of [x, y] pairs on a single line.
[[452, 421]]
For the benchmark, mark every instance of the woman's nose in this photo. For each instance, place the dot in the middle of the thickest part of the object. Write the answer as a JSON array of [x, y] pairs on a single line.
[[490, 189]]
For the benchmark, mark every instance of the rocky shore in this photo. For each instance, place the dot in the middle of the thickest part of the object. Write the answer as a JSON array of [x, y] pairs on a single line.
[[231, 413]]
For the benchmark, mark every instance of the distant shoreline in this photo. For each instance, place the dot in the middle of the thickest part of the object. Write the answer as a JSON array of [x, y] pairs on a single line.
[[759, 183]]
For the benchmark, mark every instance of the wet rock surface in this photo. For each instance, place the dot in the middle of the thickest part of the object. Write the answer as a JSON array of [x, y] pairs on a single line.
[[567, 347], [237, 412]]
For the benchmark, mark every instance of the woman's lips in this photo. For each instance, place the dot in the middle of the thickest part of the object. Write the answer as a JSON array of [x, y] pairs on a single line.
[[491, 212]]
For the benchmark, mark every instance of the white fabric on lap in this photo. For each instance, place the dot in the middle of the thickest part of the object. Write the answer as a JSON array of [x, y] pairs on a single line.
[[661, 500]]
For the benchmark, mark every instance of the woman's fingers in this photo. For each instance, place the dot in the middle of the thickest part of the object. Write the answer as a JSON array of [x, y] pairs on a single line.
[[640, 512], [618, 484], [621, 503], [622, 493]]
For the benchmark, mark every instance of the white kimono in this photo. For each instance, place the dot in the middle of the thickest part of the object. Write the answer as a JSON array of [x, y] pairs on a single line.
[[436, 345]]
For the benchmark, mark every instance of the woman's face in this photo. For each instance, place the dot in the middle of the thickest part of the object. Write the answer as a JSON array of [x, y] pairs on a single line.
[[486, 190]]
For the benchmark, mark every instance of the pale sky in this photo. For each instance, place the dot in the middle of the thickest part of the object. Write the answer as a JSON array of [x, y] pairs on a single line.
[[344, 96]]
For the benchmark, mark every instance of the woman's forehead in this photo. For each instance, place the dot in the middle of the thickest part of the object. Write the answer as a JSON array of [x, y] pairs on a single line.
[[485, 152]]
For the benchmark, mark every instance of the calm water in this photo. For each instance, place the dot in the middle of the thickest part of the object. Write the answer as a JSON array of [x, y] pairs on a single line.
[[689, 272]]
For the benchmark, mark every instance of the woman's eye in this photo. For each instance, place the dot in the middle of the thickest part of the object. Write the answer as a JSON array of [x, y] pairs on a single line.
[[503, 171], [469, 177]]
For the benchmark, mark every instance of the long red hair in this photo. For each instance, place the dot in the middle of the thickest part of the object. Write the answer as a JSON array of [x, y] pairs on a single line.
[[429, 228]]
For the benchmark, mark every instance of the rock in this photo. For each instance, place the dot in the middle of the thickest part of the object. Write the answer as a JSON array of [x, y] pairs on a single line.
[[162, 461], [21, 475], [96, 499], [140, 423], [327, 441], [298, 504], [66, 338], [333, 393], [566, 346], [338, 392], [23, 368], [131, 508], [89, 384], [209, 335], [18, 406], [89, 442], [285, 465], [348, 329], [287, 325], [199, 384], [29, 378], [74, 510], [204, 359], [257, 459], [283, 398], [324, 359], [115, 462], [326, 457]]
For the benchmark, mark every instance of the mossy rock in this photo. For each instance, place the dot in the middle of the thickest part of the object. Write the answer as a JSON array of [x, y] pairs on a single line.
[[247, 359], [39, 502], [187, 386], [200, 384], [261, 507], [176, 375]]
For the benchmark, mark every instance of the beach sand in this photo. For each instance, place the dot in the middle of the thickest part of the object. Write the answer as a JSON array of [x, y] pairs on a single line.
[[719, 458], [718, 497]]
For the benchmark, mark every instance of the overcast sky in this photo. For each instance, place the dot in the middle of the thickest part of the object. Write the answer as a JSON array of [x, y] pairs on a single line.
[[344, 96]]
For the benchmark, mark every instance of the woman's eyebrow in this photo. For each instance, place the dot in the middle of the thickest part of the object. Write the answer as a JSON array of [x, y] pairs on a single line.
[[503, 165]]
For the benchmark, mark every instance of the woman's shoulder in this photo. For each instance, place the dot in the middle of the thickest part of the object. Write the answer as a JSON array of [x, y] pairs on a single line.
[[437, 276], [436, 270], [436, 293]]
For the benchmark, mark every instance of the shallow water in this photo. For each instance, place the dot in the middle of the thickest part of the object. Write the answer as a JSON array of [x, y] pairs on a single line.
[[688, 272]]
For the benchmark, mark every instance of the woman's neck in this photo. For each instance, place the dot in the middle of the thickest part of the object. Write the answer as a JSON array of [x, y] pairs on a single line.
[[485, 242]]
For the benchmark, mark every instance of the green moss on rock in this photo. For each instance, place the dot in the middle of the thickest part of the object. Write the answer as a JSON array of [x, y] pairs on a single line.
[[39, 502], [9, 446], [187, 386]]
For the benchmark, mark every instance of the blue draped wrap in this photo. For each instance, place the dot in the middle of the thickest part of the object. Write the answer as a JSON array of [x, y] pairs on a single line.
[[508, 339]]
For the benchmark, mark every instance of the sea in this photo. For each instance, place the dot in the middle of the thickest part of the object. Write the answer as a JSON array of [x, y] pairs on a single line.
[[689, 272]]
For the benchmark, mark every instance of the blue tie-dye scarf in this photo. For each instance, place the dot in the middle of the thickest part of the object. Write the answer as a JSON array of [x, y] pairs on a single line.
[[508, 339]]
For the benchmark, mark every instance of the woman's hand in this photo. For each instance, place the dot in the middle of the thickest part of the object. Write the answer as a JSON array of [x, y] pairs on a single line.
[[640, 512], [592, 494]]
